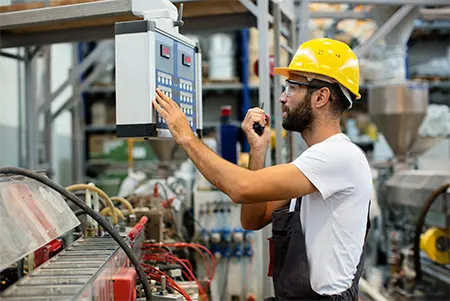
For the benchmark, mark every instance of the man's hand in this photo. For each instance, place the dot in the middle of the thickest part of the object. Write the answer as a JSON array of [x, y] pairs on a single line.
[[176, 120], [256, 142]]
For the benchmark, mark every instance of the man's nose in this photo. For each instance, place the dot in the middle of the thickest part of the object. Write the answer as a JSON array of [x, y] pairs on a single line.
[[283, 98]]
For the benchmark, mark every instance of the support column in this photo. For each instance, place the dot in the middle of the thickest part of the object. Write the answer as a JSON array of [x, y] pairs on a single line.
[[77, 127], [46, 93], [277, 85], [264, 97], [30, 109]]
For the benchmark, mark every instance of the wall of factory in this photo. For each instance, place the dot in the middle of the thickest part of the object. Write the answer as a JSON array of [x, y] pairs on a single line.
[[10, 104]]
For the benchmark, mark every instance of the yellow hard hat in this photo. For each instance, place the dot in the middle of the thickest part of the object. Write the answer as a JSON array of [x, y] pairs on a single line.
[[327, 57]]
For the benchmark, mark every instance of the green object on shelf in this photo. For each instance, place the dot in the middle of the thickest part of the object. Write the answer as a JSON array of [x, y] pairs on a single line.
[[119, 151]]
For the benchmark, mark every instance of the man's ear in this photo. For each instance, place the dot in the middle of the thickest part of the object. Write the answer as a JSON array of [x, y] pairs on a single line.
[[323, 97]]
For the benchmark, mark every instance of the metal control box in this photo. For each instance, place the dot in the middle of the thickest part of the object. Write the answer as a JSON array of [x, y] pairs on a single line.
[[147, 58]]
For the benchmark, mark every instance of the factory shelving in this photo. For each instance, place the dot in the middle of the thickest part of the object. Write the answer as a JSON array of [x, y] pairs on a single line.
[[30, 25], [33, 24]]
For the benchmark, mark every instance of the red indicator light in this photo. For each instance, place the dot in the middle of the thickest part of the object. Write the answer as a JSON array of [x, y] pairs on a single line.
[[165, 51], [186, 60]]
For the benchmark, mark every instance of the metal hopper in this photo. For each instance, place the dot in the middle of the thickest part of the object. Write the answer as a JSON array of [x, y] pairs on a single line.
[[398, 109], [167, 150]]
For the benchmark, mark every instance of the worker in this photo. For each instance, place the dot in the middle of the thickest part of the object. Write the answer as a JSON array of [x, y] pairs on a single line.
[[319, 203]]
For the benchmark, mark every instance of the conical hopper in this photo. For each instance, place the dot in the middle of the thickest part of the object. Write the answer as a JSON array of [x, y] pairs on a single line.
[[398, 110], [167, 149]]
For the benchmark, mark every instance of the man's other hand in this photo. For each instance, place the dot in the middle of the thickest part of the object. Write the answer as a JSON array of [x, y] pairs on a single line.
[[256, 142]]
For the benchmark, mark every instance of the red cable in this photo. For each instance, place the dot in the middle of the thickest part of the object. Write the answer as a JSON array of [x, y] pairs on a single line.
[[190, 245], [188, 264], [200, 289], [172, 283], [169, 256], [172, 286]]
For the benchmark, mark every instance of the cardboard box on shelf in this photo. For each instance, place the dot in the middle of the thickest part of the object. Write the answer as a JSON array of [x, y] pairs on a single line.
[[98, 144]]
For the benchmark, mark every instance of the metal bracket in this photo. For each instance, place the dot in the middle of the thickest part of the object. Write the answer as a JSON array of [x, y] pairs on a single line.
[[383, 30], [12, 56]]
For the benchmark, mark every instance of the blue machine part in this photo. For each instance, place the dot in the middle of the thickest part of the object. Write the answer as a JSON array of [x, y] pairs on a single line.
[[238, 251], [248, 250], [226, 234], [175, 76]]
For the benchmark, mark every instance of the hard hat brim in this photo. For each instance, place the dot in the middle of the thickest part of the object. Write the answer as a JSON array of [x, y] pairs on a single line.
[[283, 71]]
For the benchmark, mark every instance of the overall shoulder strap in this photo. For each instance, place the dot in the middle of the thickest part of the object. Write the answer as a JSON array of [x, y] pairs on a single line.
[[368, 225]]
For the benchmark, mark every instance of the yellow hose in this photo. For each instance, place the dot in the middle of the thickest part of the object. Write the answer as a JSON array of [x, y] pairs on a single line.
[[107, 211], [125, 203], [102, 195], [130, 153]]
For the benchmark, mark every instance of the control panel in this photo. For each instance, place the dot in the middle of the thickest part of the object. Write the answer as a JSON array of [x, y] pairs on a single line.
[[148, 58]]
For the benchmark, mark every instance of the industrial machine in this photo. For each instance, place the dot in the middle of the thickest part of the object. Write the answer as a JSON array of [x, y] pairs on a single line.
[[76, 244], [47, 253], [408, 246], [410, 243], [155, 55]]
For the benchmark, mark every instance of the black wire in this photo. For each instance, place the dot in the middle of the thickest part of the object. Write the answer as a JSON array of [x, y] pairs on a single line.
[[95, 215], [420, 222]]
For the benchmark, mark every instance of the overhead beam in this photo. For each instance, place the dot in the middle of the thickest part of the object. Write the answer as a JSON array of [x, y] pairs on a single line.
[[387, 2], [383, 30]]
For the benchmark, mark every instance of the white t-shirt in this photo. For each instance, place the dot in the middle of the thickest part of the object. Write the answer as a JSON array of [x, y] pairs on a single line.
[[334, 218]]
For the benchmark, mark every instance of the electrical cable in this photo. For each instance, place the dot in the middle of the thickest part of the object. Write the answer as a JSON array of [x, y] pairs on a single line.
[[154, 270], [420, 222], [165, 258], [195, 247], [95, 215], [189, 245]]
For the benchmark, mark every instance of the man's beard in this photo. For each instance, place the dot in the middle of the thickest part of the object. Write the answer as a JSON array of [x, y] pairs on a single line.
[[299, 118]]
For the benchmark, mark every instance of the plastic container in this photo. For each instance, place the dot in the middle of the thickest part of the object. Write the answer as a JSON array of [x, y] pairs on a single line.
[[221, 57], [31, 215], [228, 136]]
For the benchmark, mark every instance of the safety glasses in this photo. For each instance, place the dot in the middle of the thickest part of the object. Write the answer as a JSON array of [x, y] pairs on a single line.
[[292, 87]]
